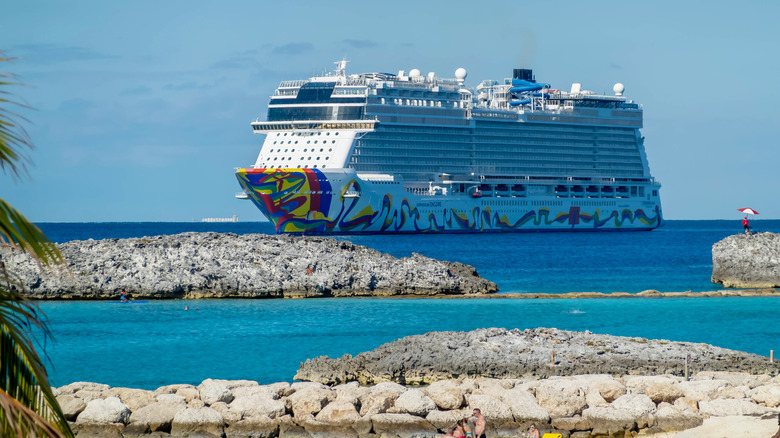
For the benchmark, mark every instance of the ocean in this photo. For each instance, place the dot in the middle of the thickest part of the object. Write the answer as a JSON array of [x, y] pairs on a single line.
[[159, 343]]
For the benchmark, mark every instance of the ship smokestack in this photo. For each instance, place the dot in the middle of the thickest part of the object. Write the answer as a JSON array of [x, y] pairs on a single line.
[[525, 74]]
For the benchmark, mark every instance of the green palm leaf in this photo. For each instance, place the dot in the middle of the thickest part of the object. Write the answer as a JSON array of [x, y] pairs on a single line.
[[28, 407]]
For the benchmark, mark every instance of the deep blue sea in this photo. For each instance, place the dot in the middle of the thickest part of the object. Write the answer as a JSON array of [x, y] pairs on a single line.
[[159, 343]]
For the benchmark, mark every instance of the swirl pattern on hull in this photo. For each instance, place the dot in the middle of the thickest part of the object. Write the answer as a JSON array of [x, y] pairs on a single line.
[[300, 201]]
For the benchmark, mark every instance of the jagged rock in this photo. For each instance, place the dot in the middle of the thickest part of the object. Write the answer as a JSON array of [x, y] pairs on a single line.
[[351, 392], [133, 398], [189, 421], [378, 403], [104, 411], [609, 388], [747, 261], [512, 354], [638, 405], [310, 400], [442, 420], [211, 264]]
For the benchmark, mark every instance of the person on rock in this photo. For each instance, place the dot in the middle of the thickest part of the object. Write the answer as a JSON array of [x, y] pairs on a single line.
[[746, 224], [450, 433], [533, 432], [123, 296], [479, 424]]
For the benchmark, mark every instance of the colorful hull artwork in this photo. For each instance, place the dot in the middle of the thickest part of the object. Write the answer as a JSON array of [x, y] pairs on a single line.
[[307, 201]]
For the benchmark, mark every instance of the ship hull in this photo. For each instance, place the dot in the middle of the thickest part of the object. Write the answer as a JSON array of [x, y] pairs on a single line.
[[338, 201]]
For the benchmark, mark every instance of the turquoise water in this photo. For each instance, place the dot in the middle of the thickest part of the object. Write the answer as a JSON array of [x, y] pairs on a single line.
[[159, 343]]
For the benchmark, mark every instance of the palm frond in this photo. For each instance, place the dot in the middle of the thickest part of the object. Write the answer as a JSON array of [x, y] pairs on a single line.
[[14, 141], [18, 420], [19, 232]]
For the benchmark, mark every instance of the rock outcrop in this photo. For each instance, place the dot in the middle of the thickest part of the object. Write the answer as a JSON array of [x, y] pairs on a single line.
[[196, 265], [502, 353], [747, 261], [574, 406]]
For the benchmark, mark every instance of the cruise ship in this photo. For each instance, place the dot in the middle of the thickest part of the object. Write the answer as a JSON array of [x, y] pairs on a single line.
[[418, 153]]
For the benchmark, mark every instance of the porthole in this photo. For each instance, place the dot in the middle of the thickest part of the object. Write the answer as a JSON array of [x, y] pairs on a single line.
[[320, 149], [327, 158], [285, 150], [285, 134], [333, 141], [337, 133], [315, 165], [274, 142], [309, 158], [308, 141], [318, 158], [315, 141], [304, 150], [328, 133], [330, 150]]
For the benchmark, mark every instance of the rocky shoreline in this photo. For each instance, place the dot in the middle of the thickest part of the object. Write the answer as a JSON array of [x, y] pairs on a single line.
[[575, 405], [225, 265], [744, 261]]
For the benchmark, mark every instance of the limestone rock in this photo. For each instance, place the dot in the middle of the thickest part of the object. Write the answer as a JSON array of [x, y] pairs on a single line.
[[414, 402], [726, 407], [671, 419], [212, 391], [378, 403], [71, 406], [253, 427], [156, 416], [496, 411], [189, 421], [229, 265], [133, 398], [745, 261], [638, 405], [446, 394], [338, 413], [402, 425], [561, 398], [104, 411], [607, 420], [767, 395], [444, 419], [310, 400], [658, 388], [524, 407], [703, 389], [257, 406]]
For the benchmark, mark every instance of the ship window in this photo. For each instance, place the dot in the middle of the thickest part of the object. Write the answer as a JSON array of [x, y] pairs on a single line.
[[285, 134], [334, 141], [308, 141], [319, 133], [296, 141], [327, 158], [315, 165], [337, 133], [327, 133], [309, 158], [304, 150], [285, 150], [315, 141], [320, 149], [288, 142], [274, 142], [318, 158], [330, 150]]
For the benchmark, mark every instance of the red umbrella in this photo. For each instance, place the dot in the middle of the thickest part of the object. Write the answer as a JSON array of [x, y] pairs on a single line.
[[747, 210]]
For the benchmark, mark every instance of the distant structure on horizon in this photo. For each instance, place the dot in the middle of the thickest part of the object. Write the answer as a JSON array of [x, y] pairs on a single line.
[[220, 219]]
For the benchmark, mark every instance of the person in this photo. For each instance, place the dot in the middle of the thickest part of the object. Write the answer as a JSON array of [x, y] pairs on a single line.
[[746, 224], [479, 424], [777, 435], [123, 296], [533, 432], [463, 429], [450, 433]]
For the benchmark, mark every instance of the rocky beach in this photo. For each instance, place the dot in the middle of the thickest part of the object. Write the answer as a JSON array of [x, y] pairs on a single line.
[[226, 265], [596, 404]]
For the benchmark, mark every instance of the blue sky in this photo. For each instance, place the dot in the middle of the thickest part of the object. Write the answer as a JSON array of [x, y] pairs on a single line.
[[143, 107]]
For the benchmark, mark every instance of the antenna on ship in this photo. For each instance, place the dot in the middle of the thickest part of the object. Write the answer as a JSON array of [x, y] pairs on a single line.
[[341, 67]]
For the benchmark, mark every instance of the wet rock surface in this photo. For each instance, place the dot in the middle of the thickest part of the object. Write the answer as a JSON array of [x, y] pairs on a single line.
[[219, 265], [747, 261], [502, 353]]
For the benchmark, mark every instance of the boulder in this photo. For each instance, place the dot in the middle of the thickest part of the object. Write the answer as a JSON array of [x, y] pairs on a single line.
[[104, 411], [212, 391], [154, 417], [524, 407], [561, 398], [610, 389], [402, 426], [724, 407], [658, 388], [671, 419], [310, 400], [767, 395], [745, 261], [189, 422], [377, 403], [71, 406], [351, 392], [446, 394], [703, 389], [230, 416], [133, 398], [388, 387], [257, 406], [575, 423], [338, 413], [253, 427], [414, 402], [638, 405], [495, 411], [608, 421], [442, 420]]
